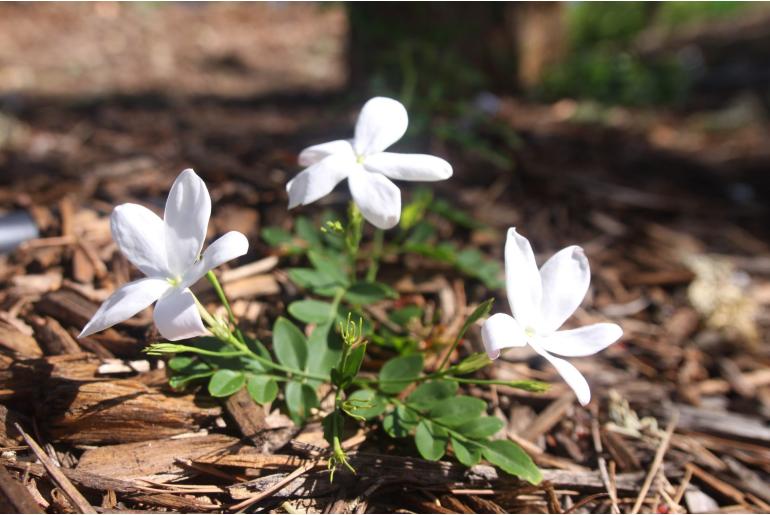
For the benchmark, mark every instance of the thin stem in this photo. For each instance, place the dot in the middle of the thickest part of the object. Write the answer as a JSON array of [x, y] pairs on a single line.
[[153, 350], [205, 315], [336, 302], [499, 382], [374, 264], [232, 340], [353, 233], [229, 338], [453, 433], [212, 278]]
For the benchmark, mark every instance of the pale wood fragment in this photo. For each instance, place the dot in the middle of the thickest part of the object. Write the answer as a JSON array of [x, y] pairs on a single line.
[[153, 459]]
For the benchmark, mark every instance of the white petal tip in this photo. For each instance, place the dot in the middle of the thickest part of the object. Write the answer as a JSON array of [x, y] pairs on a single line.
[[445, 172], [513, 233], [240, 243], [386, 223]]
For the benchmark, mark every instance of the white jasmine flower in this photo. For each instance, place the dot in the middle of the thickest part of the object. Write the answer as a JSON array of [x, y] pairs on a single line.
[[168, 252], [366, 166], [541, 301]]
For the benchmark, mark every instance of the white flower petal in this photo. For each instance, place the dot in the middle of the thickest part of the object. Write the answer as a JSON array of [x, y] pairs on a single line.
[[583, 341], [381, 123], [565, 276], [378, 199], [320, 179], [188, 209], [409, 167], [314, 154], [522, 279], [229, 246], [139, 234], [127, 301], [176, 315], [569, 373], [501, 331]]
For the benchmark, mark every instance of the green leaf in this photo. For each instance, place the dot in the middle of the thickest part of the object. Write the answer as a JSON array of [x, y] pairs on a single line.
[[512, 459], [181, 362], [311, 311], [403, 315], [289, 344], [474, 264], [454, 215], [300, 398], [458, 410], [324, 350], [226, 382], [472, 363], [482, 427], [308, 232], [480, 312], [187, 365], [275, 236], [414, 211], [431, 440], [258, 348], [398, 372], [466, 453], [421, 233], [443, 252], [365, 403], [529, 385], [365, 292], [309, 278], [431, 392], [177, 382], [399, 421], [354, 361], [262, 389], [330, 265]]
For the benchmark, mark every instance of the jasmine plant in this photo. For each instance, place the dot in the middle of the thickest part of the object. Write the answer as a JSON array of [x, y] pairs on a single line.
[[406, 398]]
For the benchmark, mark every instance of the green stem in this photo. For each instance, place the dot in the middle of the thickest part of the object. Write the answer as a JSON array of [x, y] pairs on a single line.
[[374, 265], [353, 233], [224, 335], [445, 361], [194, 350], [336, 302], [223, 299], [232, 340], [420, 414]]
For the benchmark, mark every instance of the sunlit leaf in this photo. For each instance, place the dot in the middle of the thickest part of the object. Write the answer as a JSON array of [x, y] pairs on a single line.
[[226, 382], [431, 440], [512, 459], [262, 389], [398, 372], [289, 344]]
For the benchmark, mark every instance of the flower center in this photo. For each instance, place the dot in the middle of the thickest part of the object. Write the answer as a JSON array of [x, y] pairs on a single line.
[[360, 159], [530, 332], [174, 281]]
